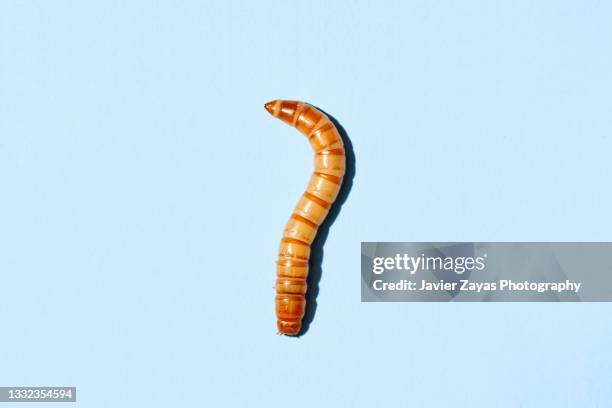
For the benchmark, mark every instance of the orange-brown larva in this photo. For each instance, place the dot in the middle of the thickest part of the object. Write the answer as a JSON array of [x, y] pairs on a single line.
[[310, 211]]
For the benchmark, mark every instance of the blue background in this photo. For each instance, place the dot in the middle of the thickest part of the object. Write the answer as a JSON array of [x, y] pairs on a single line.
[[144, 190]]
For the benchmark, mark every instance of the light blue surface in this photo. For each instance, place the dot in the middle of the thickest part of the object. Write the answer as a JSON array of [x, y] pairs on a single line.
[[143, 192]]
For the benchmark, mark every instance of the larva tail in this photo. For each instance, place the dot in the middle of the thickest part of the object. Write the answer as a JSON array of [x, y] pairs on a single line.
[[310, 211]]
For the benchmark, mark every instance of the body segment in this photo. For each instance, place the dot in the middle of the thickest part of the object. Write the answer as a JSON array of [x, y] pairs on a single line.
[[310, 211]]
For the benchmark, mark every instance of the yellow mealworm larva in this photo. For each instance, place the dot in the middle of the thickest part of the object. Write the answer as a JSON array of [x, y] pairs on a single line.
[[310, 211]]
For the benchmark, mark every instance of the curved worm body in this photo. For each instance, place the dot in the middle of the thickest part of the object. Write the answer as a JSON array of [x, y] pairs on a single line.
[[310, 211]]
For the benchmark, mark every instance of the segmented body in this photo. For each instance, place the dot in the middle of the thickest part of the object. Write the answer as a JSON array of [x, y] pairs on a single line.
[[310, 211]]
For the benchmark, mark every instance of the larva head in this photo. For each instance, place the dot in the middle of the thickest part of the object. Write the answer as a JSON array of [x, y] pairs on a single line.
[[284, 110], [289, 328]]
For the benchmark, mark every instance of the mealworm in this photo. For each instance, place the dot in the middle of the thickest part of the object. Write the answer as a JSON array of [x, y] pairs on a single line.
[[310, 211]]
